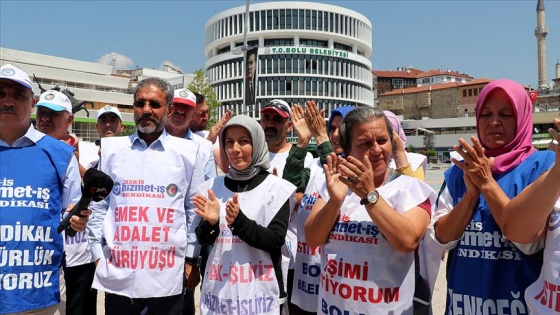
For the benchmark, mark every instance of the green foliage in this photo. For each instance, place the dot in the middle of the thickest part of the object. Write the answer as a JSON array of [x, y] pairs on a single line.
[[431, 152], [201, 85], [412, 149], [429, 142]]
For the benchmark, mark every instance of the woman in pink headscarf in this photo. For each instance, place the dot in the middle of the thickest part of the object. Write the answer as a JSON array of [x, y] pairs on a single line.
[[407, 163], [486, 272]]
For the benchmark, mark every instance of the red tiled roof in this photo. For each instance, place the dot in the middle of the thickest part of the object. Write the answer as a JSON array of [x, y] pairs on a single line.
[[440, 86], [397, 74], [433, 73]]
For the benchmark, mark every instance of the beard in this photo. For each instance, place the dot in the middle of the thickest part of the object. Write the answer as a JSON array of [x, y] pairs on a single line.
[[153, 125]]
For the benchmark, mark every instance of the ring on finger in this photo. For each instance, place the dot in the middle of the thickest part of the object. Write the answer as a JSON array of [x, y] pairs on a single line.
[[353, 179]]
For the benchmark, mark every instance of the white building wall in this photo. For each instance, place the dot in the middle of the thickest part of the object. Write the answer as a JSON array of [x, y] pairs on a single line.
[[338, 38]]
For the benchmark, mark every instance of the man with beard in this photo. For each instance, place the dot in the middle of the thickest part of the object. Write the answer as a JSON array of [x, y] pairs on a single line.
[[147, 222], [39, 179]]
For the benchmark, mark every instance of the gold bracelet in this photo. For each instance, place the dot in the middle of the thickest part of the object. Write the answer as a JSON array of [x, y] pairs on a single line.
[[402, 168]]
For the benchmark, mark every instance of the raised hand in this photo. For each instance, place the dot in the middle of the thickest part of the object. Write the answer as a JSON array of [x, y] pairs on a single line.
[[232, 209], [476, 165], [399, 153], [207, 208], [300, 125], [357, 175], [316, 121], [217, 128], [336, 188]]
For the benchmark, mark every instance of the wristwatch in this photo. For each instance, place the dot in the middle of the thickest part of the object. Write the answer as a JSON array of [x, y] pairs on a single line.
[[371, 198]]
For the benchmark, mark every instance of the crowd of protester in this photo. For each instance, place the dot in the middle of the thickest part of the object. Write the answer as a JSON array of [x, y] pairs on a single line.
[[354, 230]]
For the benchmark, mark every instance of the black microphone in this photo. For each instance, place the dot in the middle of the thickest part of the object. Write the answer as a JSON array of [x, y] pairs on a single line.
[[96, 185]]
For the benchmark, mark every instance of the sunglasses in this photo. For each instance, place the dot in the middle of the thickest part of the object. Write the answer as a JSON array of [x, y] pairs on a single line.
[[277, 105], [153, 104]]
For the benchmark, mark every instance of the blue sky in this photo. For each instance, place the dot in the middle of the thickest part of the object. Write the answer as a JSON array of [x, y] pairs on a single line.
[[484, 38]]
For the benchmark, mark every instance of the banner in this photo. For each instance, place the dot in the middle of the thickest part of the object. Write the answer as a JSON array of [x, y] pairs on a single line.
[[251, 65]]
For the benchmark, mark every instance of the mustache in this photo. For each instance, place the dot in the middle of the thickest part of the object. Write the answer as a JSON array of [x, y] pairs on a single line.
[[7, 109], [272, 129]]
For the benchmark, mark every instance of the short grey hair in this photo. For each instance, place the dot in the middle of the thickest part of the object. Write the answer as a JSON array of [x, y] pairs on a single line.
[[160, 83], [360, 115]]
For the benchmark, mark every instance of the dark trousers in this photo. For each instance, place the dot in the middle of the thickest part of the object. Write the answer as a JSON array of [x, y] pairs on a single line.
[[122, 305], [81, 298]]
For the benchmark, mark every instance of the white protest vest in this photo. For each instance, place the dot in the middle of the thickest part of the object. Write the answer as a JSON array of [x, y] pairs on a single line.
[[77, 248], [542, 297], [240, 279], [307, 266], [361, 273], [145, 225]]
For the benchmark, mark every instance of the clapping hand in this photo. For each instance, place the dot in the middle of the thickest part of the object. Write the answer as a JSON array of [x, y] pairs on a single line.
[[232, 209], [207, 208], [476, 167], [336, 188]]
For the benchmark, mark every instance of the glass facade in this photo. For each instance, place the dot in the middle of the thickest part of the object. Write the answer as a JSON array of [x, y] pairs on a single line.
[[310, 51]]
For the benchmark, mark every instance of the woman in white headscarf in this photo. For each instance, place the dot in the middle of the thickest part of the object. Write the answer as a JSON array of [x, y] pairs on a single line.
[[246, 215]]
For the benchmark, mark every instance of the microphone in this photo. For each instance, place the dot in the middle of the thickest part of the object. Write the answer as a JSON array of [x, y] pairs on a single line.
[[96, 185]]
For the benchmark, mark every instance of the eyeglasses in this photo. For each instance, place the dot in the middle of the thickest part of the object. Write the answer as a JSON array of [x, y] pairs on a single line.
[[277, 105], [141, 103]]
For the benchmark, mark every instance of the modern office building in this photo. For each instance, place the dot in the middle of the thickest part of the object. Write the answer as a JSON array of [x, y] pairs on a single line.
[[307, 51]]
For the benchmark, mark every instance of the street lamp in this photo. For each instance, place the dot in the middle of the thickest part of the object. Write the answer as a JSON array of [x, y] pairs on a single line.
[[241, 50]]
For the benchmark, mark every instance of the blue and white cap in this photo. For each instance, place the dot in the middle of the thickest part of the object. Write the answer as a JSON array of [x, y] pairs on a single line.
[[55, 100], [15, 74]]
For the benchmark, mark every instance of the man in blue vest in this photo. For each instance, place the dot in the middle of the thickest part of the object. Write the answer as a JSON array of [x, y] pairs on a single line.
[[38, 178]]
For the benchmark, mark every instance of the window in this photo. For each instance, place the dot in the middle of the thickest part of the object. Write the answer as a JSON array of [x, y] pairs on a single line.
[[320, 20], [470, 92], [282, 19], [288, 16], [269, 20], [314, 20], [252, 21]]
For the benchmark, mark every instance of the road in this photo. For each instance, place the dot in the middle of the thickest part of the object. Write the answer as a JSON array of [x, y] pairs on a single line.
[[434, 178]]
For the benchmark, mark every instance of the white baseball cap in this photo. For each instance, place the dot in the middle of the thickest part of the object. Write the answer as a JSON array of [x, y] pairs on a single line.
[[184, 96], [109, 109], [15, 74], [55, 100]]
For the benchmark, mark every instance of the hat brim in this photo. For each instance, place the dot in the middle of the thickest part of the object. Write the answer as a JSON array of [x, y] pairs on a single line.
[[280, 112], [109, 113], [184, 101], [56, 108], [21, 82]]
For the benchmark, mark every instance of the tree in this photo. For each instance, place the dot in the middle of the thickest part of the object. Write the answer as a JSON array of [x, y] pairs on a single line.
[[428, 141], [201, 85]]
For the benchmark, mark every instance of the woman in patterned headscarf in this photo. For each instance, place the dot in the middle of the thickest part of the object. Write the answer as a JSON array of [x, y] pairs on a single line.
[[485, 270]]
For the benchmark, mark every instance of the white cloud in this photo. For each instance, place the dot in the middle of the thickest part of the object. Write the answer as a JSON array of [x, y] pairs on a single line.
[[122, 62], [172, 65]]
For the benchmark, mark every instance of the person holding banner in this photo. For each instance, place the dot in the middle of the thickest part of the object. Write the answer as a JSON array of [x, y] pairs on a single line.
[[369, 221]]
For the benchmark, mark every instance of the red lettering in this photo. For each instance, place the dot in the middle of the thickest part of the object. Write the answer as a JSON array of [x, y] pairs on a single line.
[[165, 214]]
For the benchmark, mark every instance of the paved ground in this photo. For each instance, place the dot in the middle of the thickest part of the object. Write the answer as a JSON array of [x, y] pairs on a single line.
[[434, 178]]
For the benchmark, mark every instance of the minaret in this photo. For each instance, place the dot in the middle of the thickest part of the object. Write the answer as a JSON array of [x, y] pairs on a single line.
[[540, 32]]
